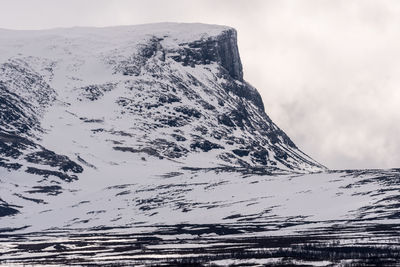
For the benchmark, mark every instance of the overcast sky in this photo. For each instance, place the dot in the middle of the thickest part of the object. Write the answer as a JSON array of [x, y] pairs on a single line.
[[328, 71]]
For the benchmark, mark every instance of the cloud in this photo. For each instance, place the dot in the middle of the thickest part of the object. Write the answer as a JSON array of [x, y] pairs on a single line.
[[331, 80]]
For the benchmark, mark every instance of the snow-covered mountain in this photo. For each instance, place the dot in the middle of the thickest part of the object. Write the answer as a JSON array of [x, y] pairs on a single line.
[[154, 125], [172, 91], [88, 102]]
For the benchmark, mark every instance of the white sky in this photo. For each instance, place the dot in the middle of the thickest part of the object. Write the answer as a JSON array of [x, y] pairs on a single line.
[[328, 71]]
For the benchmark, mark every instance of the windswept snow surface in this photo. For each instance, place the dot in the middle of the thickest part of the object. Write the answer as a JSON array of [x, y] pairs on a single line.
[[144, 128]]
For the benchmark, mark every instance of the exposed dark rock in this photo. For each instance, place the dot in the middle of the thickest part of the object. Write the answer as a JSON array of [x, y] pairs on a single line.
[[13, 111], [260, 156], [206, 105], [225, 120], [170, 98], [280, 154], [10, 166], [91, 120], [170, 121], [36, 200], [241, 152], [7, 211], [246, 91], [202, 129], [47, 173], [178, 137], [52, 190], [95, 92], [47, 157], [147, 150], [205, 145], [191, 112], [11, 145]]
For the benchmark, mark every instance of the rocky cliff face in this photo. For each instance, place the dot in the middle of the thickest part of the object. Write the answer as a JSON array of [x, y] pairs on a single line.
[[221, 49]]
